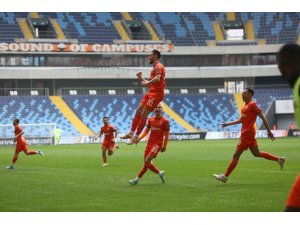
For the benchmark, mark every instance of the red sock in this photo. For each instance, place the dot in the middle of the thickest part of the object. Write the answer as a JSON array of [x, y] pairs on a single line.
[[141, 125], [104, 158], [33, 152], [15, 158], [144, 169], [294, 195], [135, 123], [153, 168], [231, 166], [268, 156]]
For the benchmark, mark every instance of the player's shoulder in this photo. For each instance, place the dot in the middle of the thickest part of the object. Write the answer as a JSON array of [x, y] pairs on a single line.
[[165, 119]]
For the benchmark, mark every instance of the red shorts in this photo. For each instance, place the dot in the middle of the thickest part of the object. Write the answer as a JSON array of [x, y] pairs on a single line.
[[152, 149], [21, 147], [152, 99], [108, 145], [246, 143]]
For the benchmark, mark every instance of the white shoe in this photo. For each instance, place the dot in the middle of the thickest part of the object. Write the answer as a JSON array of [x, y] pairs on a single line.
[[105, 164], [281, 162], [133, 181], [220, 177], [40, 152], [162, 176], [11, 167]]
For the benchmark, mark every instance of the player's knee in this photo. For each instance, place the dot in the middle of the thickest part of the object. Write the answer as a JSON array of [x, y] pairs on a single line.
[[26, 152], [256, 154], [110, 153]]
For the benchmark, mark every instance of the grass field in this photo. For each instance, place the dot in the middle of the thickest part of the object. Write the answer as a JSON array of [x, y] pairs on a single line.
[[71, 178]]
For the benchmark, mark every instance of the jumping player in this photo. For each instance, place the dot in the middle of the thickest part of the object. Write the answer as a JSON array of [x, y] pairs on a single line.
[[249, 113], [108, 143], [21, 145], [151, 99], [157, 142]]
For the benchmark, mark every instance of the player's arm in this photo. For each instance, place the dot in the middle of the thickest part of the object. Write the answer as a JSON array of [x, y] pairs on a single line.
[[153, 81], [140, 76], [98, 135], [166, 138], [231, 123], [19, 134], [270, 134], [116, 133]]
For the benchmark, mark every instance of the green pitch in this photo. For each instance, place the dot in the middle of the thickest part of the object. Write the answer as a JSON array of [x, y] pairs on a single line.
[[71, 178]]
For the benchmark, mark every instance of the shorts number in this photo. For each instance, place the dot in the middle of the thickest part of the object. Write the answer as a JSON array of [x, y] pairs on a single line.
[[150, 102]]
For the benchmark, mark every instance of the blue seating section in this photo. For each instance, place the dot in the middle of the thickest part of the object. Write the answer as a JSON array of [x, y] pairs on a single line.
[[183, 29], [206, 112], [34, 110], [274, 27], [9, 27], [87, 27], [120, 110], [264, 97]]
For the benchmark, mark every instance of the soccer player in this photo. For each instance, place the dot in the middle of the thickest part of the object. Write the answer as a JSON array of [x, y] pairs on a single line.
[[249, 113], [289, 66], [157, 142], [151, 99], [109, 143], [21, 145]]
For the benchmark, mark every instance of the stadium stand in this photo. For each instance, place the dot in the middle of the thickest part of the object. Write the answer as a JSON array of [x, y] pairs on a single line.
[[182, 29], [119, 108], [206, 112], [34, 110]]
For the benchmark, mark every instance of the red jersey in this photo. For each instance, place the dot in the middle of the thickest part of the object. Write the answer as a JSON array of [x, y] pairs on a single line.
[[249, 114], [108, 132], [20, 138], [158, 128], [158, 68]]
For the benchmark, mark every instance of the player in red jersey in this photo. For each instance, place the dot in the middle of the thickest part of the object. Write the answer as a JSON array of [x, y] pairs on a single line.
[[157, 142], [21, 145], [249, 113], [109, 143], [151, 99], [293, 202]]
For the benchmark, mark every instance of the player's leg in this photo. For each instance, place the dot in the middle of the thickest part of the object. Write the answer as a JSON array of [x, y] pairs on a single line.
[[135, 120], [14, 160], [112, 148], [144, 169], [257, 153], [231, 166], [104, 157], [160, 173]]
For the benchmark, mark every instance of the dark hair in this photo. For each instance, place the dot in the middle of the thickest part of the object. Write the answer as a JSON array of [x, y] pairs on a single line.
[[289, 53], [105, 117], [157, 53], [17, 120], [250, 90]]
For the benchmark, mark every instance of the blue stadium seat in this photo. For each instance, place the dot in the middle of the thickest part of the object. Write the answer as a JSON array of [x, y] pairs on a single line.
[[205, 111], [119, 108], [34, 110]]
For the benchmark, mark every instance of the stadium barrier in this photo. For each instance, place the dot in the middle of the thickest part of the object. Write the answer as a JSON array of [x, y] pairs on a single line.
[[173, 136], [30, 141]]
